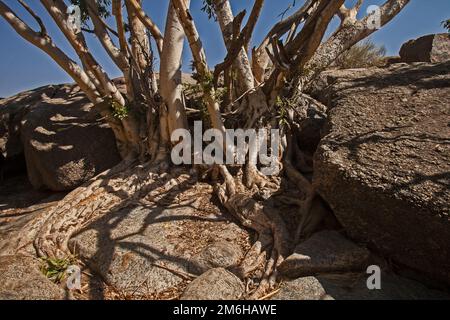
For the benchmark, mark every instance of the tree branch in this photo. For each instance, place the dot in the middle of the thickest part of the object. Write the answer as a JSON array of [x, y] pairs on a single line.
[[117, 12], [200, 63], [242, 41], [170, 75], [304, 45], [348, 16], [101, 32], [149, 24], [260, 57], [46, 44], [35, 16], [231, 27], [57, 10], [347, 36]]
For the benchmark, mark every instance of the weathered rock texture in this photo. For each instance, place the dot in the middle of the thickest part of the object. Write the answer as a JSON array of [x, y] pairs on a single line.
[[64, 142], [21, 279], [384, 163], [432, 48], [215, 284], [325, 251], [353, 286], [150, 250], [219, 254]]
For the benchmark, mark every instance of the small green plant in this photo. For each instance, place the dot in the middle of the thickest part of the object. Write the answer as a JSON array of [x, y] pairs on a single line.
[[362, 55], [207, 82], [205, 85], [55, 269], [283, 104], [220, 94], [119, 111]]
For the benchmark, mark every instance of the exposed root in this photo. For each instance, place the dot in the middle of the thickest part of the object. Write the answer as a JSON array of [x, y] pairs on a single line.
[[255, 180], [260, 217], [248, 195], [310, 219], [256, 256], [111, 190]]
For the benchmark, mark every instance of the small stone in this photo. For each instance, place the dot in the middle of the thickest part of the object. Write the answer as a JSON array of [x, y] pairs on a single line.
[[221, 254], [306, 288], [215, 284]]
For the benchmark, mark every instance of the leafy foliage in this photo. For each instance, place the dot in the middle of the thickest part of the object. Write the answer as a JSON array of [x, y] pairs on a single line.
[[208, 8], [55, 269], [363, 55], [119, 111], [446, 24], [103, 10], [283, 105]]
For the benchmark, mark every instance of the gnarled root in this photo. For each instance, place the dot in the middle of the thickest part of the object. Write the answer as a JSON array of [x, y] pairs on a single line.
[[260, 217], [110, 191]]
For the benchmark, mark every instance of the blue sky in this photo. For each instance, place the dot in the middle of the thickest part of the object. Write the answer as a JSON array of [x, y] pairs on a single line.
[[22, 66]]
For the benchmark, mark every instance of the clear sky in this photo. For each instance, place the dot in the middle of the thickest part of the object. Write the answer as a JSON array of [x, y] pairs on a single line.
[[22, 66]]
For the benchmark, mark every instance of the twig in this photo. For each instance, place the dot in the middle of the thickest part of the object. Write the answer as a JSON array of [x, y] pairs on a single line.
[[184, 275], [270, 295]]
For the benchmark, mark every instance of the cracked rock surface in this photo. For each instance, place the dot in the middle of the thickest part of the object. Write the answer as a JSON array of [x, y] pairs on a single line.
[[383, 164]]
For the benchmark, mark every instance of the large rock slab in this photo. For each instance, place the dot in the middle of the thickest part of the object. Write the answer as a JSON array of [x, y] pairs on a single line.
[[215, 284], [353, 286], [324, 252], [384, 163], [12, 111], [64, 142], [432, 48], [147, 251], [21, 279]]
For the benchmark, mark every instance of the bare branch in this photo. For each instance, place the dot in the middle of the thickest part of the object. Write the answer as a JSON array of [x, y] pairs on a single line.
[[200, 63], [260, 58], [347, 36], [57, 10], [101, 31], [231, 28], [348, 16], [117, 12], [247, 32], [46, 44], [304, 45], [298, 17], [242, 40], [198, 52], [140, 42], [35, 16], [170, 76], [148, 22], [309, 38]]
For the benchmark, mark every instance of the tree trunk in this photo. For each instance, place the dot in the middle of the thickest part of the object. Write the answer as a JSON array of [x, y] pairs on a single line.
[[171, 87], [242, 67]]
